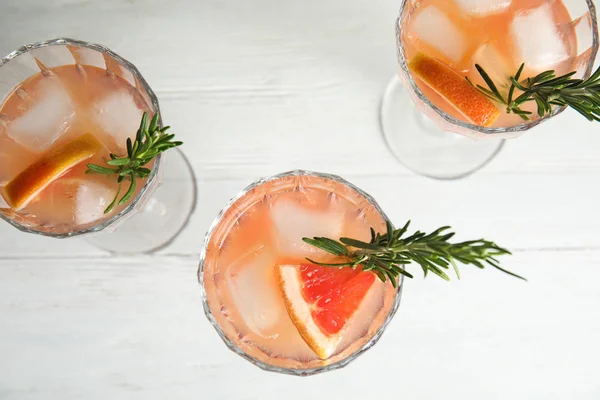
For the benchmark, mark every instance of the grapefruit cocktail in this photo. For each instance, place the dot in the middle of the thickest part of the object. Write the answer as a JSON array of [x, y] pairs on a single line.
[[302, 271], [54, 124], [486, 69], [81, 141], [268, 300]]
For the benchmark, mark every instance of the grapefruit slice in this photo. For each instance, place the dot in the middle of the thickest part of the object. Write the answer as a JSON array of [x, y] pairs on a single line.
[[39, 175], [321, 301], [454, 88]]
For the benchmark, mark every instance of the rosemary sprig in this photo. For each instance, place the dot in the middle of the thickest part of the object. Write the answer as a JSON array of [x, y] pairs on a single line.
[[387, 254], [546, 90], [149, 142]]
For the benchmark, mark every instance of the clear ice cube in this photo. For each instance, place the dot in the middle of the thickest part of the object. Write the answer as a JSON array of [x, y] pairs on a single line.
[[91, 199], [292, 221], [48, 117], [252, 284], [435, 28], [119, 116], [496, 66], [73, 201], [483, 7], [537, 39], [584, 34]]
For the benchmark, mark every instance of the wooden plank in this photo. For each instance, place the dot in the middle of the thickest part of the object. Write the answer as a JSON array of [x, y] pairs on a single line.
[[251, 95], [134, 328], [525, 211]]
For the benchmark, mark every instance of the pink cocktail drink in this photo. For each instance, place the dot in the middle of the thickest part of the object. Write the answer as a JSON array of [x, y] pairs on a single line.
[[271, 304], [45, 114], [498, 35]]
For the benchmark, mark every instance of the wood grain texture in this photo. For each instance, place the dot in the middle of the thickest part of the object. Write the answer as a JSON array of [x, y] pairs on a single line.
[[259, 87], [133, 328]]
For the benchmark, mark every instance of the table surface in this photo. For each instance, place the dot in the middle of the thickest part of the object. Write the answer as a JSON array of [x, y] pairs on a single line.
[[259, 87]]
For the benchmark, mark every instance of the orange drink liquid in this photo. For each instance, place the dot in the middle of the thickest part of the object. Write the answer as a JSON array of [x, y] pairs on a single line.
[[267, 300]]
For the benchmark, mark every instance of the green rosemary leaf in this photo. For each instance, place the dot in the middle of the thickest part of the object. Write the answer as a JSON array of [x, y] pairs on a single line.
[[390, 229], [511, 91], [129, 148], [117, 162], [143, 172], [358, 244], [336, 265], [130, 191], [388, 253], [99, 169], [547, 90], [456, 270], [392, 276], [541, 109], [114, 202], [489, 82], [328, 245], [150, 141], [154, 123]]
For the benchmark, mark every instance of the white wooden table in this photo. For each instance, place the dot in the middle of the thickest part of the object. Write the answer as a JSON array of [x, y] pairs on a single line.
[[258, 87]]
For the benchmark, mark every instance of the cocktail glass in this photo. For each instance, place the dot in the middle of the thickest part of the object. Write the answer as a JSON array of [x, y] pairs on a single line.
[[239, 304], [428, 140], [162, 207]]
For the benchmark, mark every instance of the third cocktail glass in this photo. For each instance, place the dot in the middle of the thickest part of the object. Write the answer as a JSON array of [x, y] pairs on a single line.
[[441, 90]]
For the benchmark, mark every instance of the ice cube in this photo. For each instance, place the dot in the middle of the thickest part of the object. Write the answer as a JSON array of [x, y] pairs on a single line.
[[46, 119], [496, 66], [119, 115], [435, 28], [483, 7], [537, 39], [292, 221], [91, 199], [584, 34], [73, 201], [252, 284]]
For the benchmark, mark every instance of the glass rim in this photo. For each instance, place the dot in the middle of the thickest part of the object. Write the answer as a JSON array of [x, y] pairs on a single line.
[[402, 60], [145, 86], [232, 346]]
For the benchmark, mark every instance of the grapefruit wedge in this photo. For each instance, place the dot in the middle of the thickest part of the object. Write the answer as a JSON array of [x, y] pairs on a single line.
[[454, 88], [39, 175], [321, 301]]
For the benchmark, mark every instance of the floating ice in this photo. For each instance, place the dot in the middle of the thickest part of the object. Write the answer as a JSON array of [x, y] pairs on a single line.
[[483, 7], [91, 199], [537, 39], [496, 66], [73, 201], [292, 222], [251, 281], [435, 28], [119, 115], [46, 119], [584, 34]]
